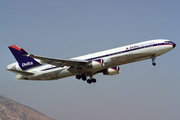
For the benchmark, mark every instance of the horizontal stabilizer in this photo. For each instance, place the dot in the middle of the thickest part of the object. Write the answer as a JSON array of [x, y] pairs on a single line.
[[20, 72]]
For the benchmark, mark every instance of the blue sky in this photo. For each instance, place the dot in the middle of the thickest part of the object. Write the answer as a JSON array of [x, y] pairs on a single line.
[[66, 29]]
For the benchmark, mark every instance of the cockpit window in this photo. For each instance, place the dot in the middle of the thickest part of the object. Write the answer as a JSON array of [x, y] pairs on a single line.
[[166, 41]]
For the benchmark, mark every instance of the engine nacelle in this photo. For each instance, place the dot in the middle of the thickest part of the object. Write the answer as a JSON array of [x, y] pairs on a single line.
[[112, 71], [96, 63], [107, 61]]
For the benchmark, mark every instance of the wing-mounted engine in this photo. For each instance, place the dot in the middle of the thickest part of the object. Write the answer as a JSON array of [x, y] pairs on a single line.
[[96, 63], [112, 71]]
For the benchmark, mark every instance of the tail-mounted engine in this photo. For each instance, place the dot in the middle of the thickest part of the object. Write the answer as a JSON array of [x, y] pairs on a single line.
[[112, 71]]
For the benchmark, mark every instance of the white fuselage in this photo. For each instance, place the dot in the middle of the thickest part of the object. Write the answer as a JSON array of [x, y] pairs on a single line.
[[112, 57]]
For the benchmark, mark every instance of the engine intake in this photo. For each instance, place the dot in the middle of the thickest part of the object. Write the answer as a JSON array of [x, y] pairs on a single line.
[[96, 63], [112, 71]]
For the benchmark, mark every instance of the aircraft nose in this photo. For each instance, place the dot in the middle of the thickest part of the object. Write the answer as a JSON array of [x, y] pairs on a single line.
[[174, 45]]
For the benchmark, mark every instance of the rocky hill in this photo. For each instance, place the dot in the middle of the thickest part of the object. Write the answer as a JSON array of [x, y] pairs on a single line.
[[11, 110]]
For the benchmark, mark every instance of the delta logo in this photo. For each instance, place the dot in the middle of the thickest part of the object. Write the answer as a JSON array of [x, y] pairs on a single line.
[[27, 64]]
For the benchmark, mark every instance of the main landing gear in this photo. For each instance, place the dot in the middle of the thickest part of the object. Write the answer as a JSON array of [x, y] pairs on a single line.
[[84, 78], [153, 59], [81, 76], [91, 80]]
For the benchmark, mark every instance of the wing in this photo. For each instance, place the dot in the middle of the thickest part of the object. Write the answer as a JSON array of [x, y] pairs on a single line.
[[20, 72], [60, 62]]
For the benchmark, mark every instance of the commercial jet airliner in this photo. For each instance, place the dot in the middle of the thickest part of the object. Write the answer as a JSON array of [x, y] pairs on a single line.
[[32, 67]]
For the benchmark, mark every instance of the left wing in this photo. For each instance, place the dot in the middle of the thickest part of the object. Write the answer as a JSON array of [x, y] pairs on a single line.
[[60, 62]]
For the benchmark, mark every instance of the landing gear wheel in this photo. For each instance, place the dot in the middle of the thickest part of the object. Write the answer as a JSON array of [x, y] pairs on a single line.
[[78, 77], [83, 77], [89, 81], [93, 80], [154, 64]]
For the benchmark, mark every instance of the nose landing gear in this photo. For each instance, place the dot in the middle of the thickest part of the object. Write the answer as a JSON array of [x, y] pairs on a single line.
[[154, 64], [153, 59]]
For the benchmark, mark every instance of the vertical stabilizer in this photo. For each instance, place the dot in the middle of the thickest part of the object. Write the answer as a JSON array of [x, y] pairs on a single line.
[[24, 61]]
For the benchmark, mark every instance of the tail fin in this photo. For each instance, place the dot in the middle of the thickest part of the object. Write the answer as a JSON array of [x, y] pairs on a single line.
[[24, 61]]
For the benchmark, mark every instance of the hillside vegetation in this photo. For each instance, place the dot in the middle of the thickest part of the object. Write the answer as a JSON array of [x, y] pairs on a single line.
[[11, 110]]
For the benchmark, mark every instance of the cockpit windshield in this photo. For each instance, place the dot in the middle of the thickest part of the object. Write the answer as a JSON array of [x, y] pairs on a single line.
[[167, 41]]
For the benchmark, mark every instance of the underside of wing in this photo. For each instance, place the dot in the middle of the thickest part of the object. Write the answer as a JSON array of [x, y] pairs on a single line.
[[60, 62], [20, 72]]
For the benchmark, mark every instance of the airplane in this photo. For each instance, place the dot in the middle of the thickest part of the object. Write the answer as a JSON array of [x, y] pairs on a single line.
[[32, 67]]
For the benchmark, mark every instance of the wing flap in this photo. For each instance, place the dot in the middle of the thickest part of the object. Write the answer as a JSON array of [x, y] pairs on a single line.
[[20, 72], [60, 62]]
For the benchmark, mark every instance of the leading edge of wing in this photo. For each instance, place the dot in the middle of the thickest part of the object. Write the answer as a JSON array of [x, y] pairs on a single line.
[[59, 62]]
